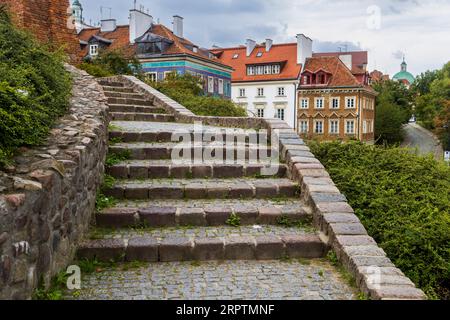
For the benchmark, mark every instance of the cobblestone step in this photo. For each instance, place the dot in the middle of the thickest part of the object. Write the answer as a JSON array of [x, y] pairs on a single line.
[[170, 213], [111, 84], [127, 95], [157, 169], [203, 189], [314, 279], [154, 151], [138, 102], [202, 244], [148, 117], [137, 109], [107, 88], [132, 131]]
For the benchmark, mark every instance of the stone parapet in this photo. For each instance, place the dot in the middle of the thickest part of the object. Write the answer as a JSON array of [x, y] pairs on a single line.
[[47, 197]]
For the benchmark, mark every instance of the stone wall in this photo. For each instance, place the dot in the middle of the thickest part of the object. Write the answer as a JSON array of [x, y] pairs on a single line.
[[376, 276], [47, 198], [49, 20]]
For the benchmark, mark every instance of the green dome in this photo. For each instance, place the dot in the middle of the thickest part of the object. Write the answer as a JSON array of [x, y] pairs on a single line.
[[76, 3], [405, 75]]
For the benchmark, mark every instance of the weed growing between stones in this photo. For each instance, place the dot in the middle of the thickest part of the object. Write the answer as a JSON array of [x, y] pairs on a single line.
[[346, 276], [113, 141], [234, 220], [116, 158], [287, 222], [56, 289]]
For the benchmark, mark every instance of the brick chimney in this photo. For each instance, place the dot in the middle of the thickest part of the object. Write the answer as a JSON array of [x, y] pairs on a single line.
[[50, 21]]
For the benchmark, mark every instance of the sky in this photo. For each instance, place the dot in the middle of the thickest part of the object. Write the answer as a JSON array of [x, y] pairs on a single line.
[[387, 29]]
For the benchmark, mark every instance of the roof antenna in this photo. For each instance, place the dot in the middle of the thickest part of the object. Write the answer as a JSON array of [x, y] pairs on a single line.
[[135, 4]]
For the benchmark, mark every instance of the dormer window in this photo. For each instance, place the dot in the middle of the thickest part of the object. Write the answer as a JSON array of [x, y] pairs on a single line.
[[259, 54], [236, 55], [93, 50], [306, 80], [320, 78], [263, 69]]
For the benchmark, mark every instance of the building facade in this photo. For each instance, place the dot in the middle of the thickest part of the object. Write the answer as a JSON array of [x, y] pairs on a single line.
[[160, 51], [334, 103], [266, 76]]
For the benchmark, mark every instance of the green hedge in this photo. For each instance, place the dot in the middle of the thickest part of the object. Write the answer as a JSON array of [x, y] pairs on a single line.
[[34, 89], [187, 91], [404, 202]]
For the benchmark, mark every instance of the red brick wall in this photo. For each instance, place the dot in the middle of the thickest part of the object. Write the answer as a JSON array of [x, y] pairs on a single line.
[[48, 20]]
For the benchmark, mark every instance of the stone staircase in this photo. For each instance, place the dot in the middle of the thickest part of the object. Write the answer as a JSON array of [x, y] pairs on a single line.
[[198, 211]]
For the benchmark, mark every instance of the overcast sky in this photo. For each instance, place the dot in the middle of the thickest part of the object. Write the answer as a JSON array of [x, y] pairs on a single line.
[[419, 29]]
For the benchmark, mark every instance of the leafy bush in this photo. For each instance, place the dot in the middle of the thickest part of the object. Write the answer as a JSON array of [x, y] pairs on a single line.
[[34, 89], [110, 63], [404, 202], [187, 91]]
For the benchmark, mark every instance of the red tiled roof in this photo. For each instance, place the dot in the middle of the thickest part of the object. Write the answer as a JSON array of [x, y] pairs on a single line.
[[359, 58], [121, 41], [341, 76], [285, 54]]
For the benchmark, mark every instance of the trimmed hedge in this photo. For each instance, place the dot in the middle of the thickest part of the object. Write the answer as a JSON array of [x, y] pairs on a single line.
[[187, 91], [404, 202], [34, 89]]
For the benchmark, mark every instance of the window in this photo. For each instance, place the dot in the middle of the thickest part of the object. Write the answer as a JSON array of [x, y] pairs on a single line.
[[152, 76], [210, 84], [350, 102], [260, 92], [320, 79], [260, 112], [263, 69], [335, 103], [242, 93], [93, 50], [364, 126], [306, 80], [350, 126], [236, 55], [281, 92], [220, 86], [319, 103], [334, 126], [280, 114], [167, 73], [304, 126], [318, 126], [259, 54], [304, 103]]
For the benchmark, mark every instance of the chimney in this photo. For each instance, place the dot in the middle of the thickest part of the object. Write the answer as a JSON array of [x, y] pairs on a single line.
[[140, 22], [304, 49], [178, 26], [269, 44], [108, 25], [347, 60], [250, 44]]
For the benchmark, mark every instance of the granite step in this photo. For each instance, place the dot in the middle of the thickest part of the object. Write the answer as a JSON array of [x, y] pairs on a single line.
[[165, 169], [107, 83], [148, 117], [203, 244], [167, 150], [127, 95], [107, 88], [169, 213], [203, 189], [125, 108], [129, 101]]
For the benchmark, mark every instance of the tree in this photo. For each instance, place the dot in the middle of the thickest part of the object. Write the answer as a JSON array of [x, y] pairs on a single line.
[[110, 63], [392, 112], [388, 123]]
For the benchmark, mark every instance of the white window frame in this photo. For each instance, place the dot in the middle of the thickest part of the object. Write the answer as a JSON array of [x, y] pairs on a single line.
[[166, 73], [210, 84], [346, 126], [347, 100], [332, 100], [260, 92], [242, 93], [151, 75], [330, 126], [93, 50], [316, 100], [221, 88], [302, 128], [315, 126], [281, 91], [260, 112], [280, 113], [304, 103]]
